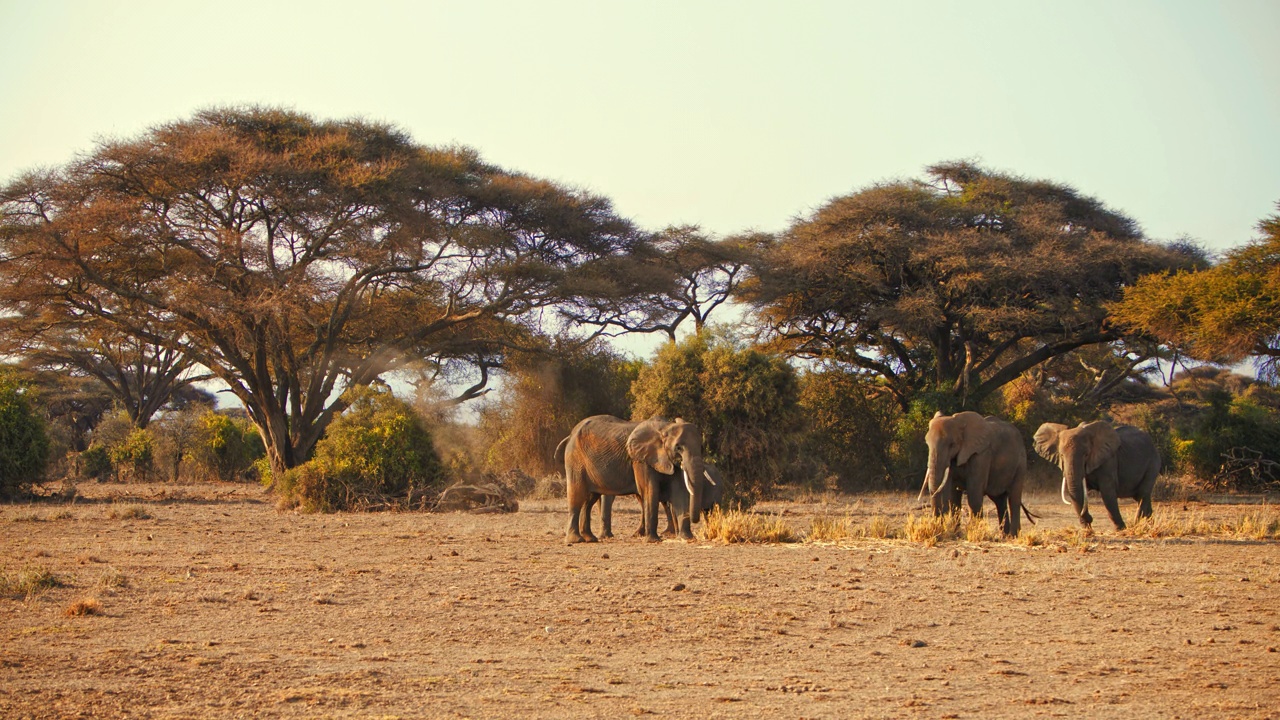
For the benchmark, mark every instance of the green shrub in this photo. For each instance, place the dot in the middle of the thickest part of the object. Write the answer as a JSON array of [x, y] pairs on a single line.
[[134, 457], [95, 462], [849, 419], [226, 448], [24, 444], [378, 450]]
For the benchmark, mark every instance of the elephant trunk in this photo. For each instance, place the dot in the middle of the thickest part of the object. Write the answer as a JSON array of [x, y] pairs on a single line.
[[695, 478], [1075, 491], [939, 480]]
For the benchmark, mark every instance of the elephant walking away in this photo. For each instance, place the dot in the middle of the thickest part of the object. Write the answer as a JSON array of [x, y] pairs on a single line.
[[1120, 461], [605, 455], [712, 497], [971, 456]]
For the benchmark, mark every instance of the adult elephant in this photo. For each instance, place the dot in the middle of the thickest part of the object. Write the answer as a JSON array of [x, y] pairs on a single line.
[[710, 498], [1120, 461], [605, 455], [971, 456]]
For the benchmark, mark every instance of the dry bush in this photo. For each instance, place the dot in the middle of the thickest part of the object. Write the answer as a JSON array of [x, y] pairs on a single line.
[[548, 487], [932, 529], [29, 582], [738, 526], [83, 607], [129, 512]]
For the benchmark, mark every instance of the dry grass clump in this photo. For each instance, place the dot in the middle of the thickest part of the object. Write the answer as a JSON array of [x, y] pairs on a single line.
[[83, 607], [29, 582], [1258, 526], [977, 530], [112, 580], [738, 526], [128, 512], [932, 529], [829, 529]]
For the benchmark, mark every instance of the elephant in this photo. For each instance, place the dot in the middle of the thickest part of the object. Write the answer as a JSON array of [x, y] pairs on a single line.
[[605, 455], [1120, 461], [974, 456], [714, 493]]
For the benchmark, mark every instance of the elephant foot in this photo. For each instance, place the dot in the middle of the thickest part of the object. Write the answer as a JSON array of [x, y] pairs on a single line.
[[572, 538], [606, 534], [588, 537], [652, 539]]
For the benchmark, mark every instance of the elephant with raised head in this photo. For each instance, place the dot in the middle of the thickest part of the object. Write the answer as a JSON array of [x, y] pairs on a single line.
[[971, 456], [711, 498], [605, 455], [1120, 461]]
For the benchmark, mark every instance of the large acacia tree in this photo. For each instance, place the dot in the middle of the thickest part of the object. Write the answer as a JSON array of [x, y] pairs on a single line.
[[295, 257], [1222, 314], [957, 283]]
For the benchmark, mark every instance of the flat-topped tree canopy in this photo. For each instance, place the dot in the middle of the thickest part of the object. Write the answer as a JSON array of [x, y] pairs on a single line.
[[958, 283], [295, 257]]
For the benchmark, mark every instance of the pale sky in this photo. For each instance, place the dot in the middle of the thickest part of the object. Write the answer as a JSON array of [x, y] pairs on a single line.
[[730, 115]]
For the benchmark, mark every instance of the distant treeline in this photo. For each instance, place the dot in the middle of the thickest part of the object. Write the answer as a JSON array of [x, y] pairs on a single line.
[[302, 264]]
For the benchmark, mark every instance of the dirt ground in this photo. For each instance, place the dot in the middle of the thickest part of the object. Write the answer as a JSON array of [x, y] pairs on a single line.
[[213, 604]]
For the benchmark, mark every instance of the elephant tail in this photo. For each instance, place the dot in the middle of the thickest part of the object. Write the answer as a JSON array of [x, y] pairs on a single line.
[[559, 454], [1030, 516]]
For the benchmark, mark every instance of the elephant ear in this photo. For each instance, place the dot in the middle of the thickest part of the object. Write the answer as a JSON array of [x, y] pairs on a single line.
[[645, 444], [975, 435], [1046, 441], [1104, 443]]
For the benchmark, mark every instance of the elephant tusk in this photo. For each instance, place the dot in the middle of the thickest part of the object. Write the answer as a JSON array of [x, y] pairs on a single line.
[[1065, 501], [709, 478], [687, 482]]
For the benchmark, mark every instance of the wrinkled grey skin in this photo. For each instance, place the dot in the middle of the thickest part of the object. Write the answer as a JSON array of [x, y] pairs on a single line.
[[605, 455], [971, 457], [1120, 461], [712, 497]]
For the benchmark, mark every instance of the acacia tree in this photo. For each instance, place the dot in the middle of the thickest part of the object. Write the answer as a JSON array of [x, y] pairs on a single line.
[[141, 376], [691, 275], [956, 284], [295, 258], [1222, 314]]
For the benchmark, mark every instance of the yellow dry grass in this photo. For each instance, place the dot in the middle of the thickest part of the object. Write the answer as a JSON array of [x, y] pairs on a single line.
[[932, 529], [1263, 524], [830, 529], [738, 526]]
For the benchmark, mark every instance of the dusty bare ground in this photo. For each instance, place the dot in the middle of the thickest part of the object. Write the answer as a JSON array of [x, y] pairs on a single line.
[[219, 606]]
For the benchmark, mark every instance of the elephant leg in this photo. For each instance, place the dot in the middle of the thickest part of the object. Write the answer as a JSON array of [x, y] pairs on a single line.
[[975, 496], [606, 516], [577, 496], [1112, 504], [587, 535], [649, 498], [1015, 508], [1143, 496], [1002, 511], [640, 530], [671, 521]]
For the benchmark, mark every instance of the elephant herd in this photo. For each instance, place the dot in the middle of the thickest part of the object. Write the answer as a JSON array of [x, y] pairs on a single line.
[[971, 457]]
